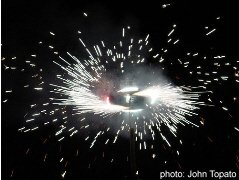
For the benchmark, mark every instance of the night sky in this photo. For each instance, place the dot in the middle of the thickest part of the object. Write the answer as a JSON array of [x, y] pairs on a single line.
[[36, 154]]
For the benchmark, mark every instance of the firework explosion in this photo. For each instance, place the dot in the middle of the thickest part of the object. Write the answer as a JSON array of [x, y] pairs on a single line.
[[115, 88], [168, 105]]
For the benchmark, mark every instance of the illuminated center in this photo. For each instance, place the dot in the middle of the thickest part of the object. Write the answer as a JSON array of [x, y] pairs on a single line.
[[128, 93]]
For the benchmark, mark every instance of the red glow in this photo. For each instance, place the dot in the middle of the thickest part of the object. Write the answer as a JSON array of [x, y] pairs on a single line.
[[108, 100]]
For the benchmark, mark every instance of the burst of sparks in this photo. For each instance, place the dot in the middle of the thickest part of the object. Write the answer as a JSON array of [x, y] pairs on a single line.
[[168, 105], [86, 86]]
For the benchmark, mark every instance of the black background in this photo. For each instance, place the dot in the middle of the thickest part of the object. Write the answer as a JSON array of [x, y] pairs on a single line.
[[24, 23]]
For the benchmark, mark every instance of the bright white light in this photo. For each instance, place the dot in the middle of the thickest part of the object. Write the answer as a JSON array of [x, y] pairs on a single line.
[[170, 96], [129, 89], [133, 110], [127, 98]]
